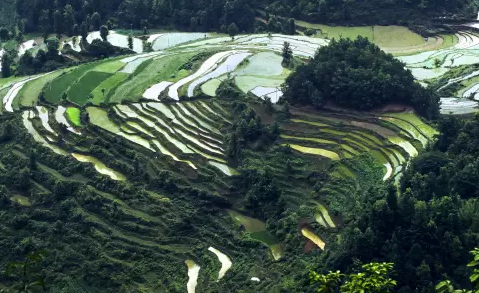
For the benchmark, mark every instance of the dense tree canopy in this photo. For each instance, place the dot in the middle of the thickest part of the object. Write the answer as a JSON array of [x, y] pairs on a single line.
[[371, 11], [211, 14], [357, 74]]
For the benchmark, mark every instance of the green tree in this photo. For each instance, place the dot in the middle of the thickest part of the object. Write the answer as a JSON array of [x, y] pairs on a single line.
[[68, 20], [6, 65], [58, 22], [84, 31], [4, 34], [287, 53], [193, 24], [104, 33], [130, 42], [373, 278], [147, 47], [96, 21], [232, 30], [292, 26], [75, 30], [53, 44]]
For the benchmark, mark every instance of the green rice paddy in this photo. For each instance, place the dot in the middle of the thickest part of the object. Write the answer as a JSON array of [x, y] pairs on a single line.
[[29, 93], [73, 115], [107, 85], [79, 92], [161, 69], [315, 151], [109, 67]]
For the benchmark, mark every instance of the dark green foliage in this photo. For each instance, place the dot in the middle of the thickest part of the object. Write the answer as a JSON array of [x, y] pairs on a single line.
[[68, 20], [292, 27], [310, 32], [373, 278], [358, 75], [370, 12], [147, 47], [96, 21], [101, 49], [104, 32], [6, 65], [25, 64], [57, 22], [28, 273], [4, 34], [287, 53], [195, 15], [53, 44], [448, 287], [130, 42], [228, 90], [232, 30], [211, 15], [7, 13], [84, 31]]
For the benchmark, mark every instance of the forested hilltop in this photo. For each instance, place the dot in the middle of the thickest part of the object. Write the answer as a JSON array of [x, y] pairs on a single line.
[[60, 16]]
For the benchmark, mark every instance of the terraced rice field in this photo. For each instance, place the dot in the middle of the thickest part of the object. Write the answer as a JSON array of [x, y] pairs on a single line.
[[254, 63], [140, 107], [390, 138], [156, 128]]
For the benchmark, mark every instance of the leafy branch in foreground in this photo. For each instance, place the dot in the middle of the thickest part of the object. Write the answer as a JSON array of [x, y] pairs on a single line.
[[447, 287], [373, 278]]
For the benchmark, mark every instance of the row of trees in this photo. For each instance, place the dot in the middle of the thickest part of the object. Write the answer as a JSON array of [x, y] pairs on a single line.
[[61, 16], [68, 17], [374, 12]]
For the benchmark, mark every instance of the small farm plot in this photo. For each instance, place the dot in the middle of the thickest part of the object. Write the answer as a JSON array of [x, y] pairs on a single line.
[[205, 68], [228, 65], [30, 92], [170, 40], [73, 115], [79, 92], [15, 89], [455, 106], [262, 64], [60, 117], [100, 93]]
